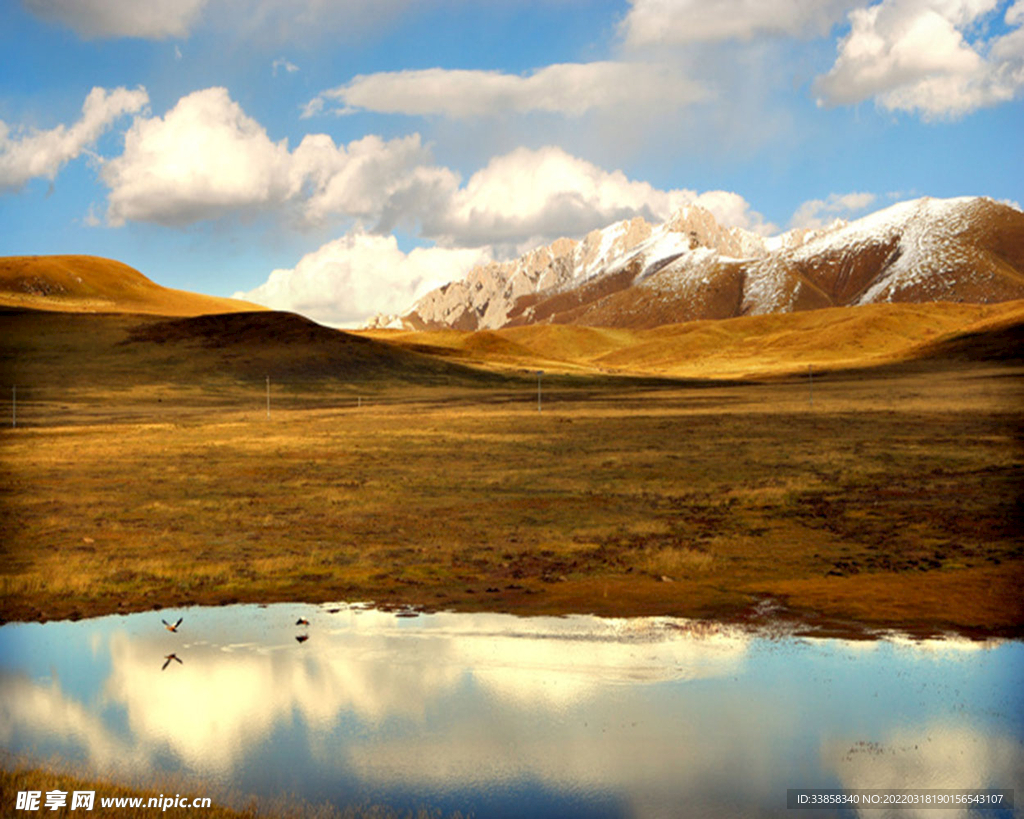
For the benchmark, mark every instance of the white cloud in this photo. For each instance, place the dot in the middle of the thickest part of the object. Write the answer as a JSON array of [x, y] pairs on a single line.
[[570, 89], [354, 277], [516, 202], [313, 107], [389, 182], [668, 22], [817, 213], [153, 19], [732, 210], [281, 62], [205, 158], [31, 154], [914, 55], [540, 195]]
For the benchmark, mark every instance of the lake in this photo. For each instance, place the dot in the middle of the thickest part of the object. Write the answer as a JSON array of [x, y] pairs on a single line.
[[502, 716]]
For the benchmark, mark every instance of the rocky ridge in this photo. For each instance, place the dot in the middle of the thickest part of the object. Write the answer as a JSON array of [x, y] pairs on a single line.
[[634, 274]]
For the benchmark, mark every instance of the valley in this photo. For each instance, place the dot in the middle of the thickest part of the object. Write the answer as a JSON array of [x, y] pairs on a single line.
[[871, 497], [840, 470]]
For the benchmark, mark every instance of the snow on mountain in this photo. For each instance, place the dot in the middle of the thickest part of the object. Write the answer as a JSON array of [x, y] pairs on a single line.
[[636, 274], [921, 250]]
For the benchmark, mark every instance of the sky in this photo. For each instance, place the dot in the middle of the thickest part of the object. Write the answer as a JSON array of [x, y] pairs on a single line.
[[340, 158]]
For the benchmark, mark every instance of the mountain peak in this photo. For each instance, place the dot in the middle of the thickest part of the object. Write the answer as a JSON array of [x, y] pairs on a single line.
[[635, 274]]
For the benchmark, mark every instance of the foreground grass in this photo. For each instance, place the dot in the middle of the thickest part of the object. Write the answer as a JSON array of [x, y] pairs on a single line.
[[20, 777], [893, 500]]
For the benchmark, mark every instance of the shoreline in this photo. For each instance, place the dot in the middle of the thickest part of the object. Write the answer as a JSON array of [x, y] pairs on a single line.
[[763, 613]]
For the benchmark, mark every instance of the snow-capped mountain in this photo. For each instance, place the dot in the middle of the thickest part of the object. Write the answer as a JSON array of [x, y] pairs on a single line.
[[633, 274]]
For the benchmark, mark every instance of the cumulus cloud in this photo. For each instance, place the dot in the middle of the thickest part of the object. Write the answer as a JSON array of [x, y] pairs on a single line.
[[732, 210], [517, 201], [206, 158], [571, 89], [29, 154], [542, 193], [539, 195], [915, 56], [674, 22], [153, 19], [817, 213], [387, 182], [359, 275]]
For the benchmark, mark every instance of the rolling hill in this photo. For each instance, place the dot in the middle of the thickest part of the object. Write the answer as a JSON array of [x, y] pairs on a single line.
[[52, 352], [747, 346], [106, 326], [90, 284]]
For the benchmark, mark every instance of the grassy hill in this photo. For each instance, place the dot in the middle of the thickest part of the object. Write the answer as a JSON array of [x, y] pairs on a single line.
[[206, 341], [749, 346], [89, 284], [127, 364]]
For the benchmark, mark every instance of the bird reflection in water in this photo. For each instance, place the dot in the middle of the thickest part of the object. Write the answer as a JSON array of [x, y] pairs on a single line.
[[167, 661]]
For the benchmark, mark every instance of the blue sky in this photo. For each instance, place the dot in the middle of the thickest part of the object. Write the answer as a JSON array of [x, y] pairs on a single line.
[[340, 158]]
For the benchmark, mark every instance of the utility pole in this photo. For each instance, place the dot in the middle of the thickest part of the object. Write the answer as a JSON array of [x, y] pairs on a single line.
[[268, 397], [539, 374], [810, 385], [14, 406]]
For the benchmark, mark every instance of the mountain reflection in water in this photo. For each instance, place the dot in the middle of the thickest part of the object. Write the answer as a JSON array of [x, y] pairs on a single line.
[[506, 716]]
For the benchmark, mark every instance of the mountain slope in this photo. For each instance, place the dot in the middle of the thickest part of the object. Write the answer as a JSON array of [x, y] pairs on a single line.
[[90, 284], [636, 275], [769, 344]]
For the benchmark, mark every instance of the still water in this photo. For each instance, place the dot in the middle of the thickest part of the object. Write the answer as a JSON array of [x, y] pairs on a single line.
[[502, 716]]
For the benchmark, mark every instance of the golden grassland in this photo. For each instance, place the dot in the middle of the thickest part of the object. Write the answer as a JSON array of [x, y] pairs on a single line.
[[90, 284], [750, 346], [145, 473], [892, 501]]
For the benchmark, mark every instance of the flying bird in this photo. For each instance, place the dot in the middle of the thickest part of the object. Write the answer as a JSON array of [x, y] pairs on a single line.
[[302, 637], [302, 621], [169, 627], [168, 658]]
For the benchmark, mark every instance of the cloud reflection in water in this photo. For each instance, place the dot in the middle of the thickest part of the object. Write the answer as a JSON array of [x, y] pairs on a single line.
[[642, 712]]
